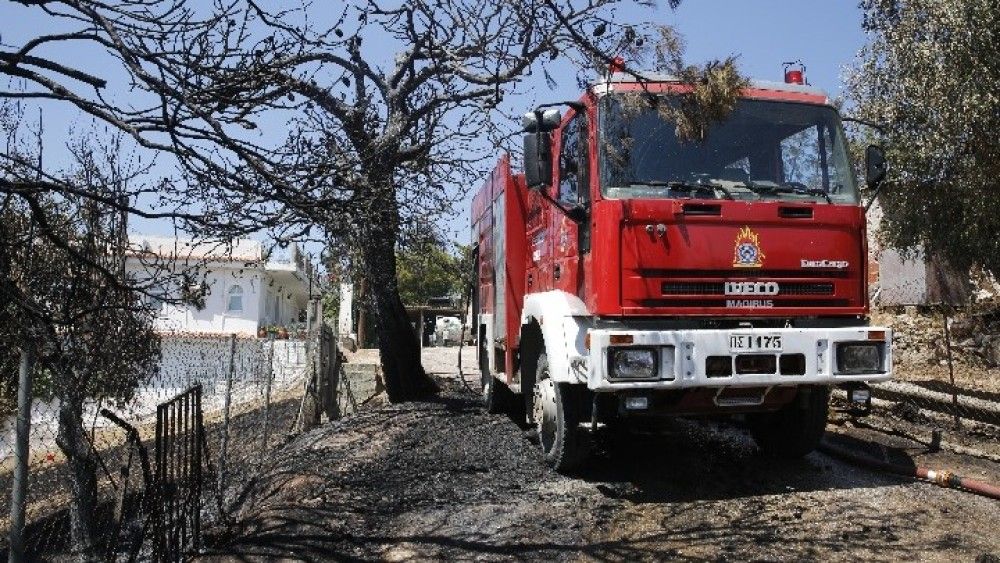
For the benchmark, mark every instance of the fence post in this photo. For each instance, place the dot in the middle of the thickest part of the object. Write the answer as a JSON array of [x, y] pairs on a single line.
[[225, 418], [267, 393], [951, 368], [20, 491], [331, 370]]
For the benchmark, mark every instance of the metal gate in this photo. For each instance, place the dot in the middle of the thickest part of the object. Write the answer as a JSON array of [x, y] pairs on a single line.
[[180, 447]]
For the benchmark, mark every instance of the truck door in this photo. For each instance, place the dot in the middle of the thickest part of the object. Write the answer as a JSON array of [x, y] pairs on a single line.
[[538, 231], [571, 241]]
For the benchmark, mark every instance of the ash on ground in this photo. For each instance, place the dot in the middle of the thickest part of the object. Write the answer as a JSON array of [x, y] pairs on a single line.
[[443, 479]]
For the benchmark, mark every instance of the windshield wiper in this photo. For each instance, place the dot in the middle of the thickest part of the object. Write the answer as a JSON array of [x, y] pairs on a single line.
[[653, 183], [679, 186], [805, 190], [760, 188], [786, 189], [689, 187]]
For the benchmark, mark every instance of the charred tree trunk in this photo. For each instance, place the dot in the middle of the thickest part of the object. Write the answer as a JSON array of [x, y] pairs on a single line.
[[82, 463], [363, 314], [399, 350]]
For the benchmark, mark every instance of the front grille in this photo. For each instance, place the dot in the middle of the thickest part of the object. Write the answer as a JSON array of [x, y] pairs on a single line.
[[718, 288], [807, 289], [760, 274], [792, 364], [692, 288], [718, 302], [718, 366], [722, 366]]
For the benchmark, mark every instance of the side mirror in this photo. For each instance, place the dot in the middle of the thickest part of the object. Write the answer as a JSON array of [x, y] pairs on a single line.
[[875, 166], [539, 120], [537, 159], [538, 146]]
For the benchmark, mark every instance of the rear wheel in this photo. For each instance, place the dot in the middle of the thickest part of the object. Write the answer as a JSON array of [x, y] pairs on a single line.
[[496, 395], [557, 420], [796, 429]]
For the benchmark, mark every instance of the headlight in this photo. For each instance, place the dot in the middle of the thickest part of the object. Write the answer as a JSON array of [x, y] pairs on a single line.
[[633, 363], [859, 357]]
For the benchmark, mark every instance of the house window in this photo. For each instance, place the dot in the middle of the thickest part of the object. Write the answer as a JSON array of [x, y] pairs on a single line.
[[155, 299], [235, 301]]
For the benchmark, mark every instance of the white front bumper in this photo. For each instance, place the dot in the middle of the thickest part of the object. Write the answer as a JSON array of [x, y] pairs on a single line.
[[690, 348]]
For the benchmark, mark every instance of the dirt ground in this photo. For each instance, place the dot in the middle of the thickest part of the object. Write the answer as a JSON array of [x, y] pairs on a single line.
[[445, 480]]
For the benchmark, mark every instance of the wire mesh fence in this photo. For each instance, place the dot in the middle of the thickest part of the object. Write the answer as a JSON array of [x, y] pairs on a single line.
[[252, 395]]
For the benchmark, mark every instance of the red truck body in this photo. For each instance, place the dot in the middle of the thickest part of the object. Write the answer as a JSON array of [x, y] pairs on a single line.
[[648, 267], [500, 211]]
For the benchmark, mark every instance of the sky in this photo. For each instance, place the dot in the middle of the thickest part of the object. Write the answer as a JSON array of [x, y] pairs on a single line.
[[825, 34]]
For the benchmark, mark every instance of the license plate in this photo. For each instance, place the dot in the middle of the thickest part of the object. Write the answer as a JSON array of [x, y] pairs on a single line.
[[754, 342]]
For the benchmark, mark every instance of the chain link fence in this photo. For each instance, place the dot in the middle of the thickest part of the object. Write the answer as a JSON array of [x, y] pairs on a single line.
[[253, 394]]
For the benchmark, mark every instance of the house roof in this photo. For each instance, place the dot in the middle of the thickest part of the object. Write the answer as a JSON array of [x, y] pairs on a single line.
[[286, 265], [237, 250]]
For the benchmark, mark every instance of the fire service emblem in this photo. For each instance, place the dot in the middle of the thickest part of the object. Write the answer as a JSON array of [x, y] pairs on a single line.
[[748, 253]]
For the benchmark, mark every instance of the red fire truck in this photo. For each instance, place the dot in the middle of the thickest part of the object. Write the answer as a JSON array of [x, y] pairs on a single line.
[[630, 272]]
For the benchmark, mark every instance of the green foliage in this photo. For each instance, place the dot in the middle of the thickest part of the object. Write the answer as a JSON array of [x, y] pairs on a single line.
[[929, 77], [427, 270], [715, 88], [91, 335], [10, 363], [331, 304], [466, 268]]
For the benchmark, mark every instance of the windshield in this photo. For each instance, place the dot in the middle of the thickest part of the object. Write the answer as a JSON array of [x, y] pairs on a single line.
[[763, 150]]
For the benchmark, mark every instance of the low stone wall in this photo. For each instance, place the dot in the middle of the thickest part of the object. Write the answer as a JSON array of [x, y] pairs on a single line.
[[919, 339], [359, 384]]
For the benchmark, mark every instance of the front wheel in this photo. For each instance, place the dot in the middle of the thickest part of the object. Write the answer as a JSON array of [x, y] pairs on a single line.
[[557, 419], [794, 430]]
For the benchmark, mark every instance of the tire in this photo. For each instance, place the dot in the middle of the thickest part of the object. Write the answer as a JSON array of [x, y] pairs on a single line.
[[794, 430], [557, 420], [496, 395]]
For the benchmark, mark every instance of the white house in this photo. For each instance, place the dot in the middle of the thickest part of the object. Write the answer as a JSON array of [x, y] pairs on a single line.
[[243, 289]]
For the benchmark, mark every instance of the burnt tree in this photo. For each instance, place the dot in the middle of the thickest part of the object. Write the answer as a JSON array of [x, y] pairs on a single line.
[[365, 146], [67, 297], [397, 142]]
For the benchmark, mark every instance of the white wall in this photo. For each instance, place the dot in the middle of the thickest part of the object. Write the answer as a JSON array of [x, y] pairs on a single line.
[[185, 361], [273, 291], [215, 318], [286, 283], [278, 307], [345, 322], [901, 281]]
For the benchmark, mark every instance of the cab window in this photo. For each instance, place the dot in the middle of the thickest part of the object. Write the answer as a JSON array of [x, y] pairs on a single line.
[[573, 157]]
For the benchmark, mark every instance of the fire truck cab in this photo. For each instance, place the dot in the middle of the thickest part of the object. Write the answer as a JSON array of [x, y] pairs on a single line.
[[632, 272]]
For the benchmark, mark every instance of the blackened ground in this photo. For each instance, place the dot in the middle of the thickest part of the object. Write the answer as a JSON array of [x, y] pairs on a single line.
[[444, 480], [47, 533]]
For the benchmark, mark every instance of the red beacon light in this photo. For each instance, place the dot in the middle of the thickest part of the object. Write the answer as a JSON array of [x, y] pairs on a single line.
[[795, 75], [617, 65]]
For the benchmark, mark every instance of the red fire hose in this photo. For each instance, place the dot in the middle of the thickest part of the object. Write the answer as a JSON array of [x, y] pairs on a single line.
[[945, 479]]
